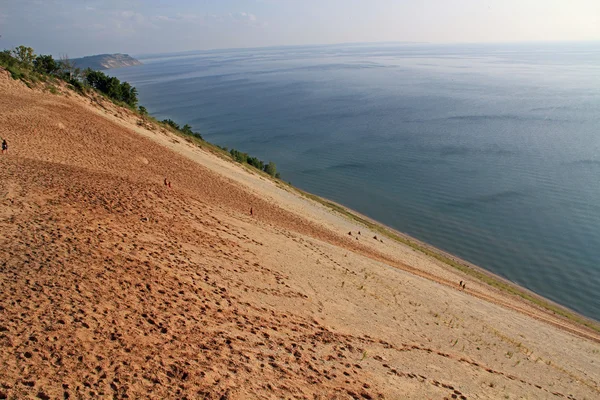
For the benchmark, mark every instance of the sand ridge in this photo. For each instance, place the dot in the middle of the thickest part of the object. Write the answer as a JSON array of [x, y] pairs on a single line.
[[112, 285]]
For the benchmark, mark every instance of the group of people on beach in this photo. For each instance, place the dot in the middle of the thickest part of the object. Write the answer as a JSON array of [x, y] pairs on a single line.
[[4, 146]]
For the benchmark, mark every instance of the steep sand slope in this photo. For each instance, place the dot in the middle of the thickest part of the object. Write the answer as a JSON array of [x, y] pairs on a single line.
[[113, 285]]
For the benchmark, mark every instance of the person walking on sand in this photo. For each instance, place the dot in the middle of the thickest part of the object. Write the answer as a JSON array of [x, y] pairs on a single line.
[[4, 146], [251, 211]]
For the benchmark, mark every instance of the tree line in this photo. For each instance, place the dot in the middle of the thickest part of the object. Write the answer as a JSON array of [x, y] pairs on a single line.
[[269, 167], [24, 64]]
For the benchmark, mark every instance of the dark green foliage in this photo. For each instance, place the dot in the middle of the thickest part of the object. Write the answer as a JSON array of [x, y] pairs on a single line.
[[128, 94], [271, 169], [143, 111], [17, 69], [187, 130], [7, 60], [15, 72], [77, 85], [257, 163], [239, 156], [45, 64], [171, 123], [112, 87]]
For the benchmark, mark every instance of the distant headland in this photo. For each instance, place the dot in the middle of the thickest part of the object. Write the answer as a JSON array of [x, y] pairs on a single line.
[[106, 61]]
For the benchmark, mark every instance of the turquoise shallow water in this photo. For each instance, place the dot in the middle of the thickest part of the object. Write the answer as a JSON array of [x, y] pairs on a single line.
[[490, 152]]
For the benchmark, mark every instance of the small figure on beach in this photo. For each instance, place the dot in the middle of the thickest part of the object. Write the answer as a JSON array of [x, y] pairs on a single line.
[[460, 285], [166, 182], [251, 211], [464, 286], [4, 146]]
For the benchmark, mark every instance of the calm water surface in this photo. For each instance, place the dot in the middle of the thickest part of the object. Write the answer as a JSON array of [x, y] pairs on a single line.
[[490, 152]]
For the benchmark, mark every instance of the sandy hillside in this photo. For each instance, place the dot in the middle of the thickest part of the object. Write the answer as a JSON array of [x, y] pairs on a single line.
[[113, 285]]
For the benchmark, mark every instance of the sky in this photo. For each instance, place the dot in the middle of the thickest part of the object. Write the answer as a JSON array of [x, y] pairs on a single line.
[[84, 27]]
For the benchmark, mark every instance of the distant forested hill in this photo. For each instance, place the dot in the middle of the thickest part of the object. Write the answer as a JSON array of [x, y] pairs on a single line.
[[105, 61]]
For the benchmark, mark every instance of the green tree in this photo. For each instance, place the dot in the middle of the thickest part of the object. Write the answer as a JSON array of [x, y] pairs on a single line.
[[7, 59], [113, 87], [256, 163], [187, 130], [143, 111], [128, 94], [271, 169], [171, 123], [94, 78], [239, 156], [24, 55], [45, 64]]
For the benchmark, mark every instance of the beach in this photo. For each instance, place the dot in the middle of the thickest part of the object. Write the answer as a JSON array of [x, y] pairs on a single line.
[[113, 284]]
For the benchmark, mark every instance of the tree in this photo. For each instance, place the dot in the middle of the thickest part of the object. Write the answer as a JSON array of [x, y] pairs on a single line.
[[24, 54], [143, 111], [7, 59], [239, 156], [94, 78], [271, 169], [128, 94], [113, 88], [171, 123], [187, 130], [198, 135], [256, 163], [45, 64]]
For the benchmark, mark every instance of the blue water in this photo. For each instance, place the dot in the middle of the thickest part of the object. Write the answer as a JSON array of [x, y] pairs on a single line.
[[490, 152]]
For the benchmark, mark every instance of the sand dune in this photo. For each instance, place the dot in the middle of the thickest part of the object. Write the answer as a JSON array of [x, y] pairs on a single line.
[[113, 285]]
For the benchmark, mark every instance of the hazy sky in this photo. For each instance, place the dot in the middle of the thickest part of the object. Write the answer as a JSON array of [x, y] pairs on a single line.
[[83, 27]]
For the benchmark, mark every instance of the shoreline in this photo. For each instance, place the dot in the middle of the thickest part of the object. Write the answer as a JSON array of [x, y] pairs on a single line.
[[502, 286], [449, 260], [161, 287], [493, 282]]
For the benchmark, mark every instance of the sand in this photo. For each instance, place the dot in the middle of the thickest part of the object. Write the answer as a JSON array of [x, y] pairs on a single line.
[[113, 285]]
